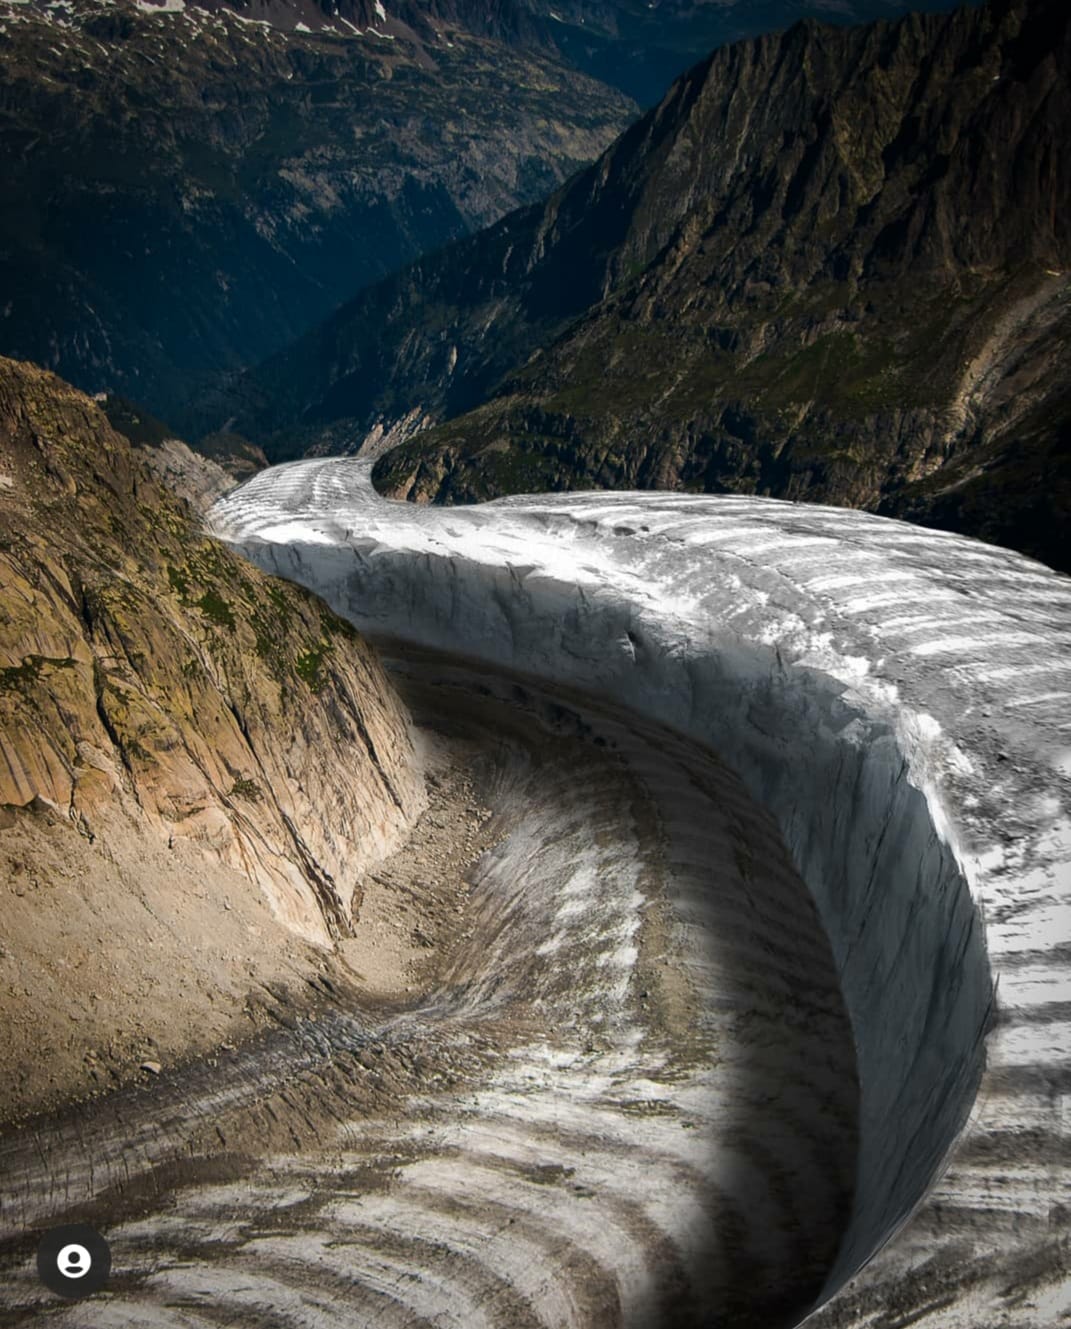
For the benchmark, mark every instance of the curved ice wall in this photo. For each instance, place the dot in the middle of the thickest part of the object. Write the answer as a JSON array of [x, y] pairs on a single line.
[[856, 672]]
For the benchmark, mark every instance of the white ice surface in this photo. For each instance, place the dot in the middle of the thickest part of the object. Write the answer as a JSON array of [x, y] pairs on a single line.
[[863, 678]]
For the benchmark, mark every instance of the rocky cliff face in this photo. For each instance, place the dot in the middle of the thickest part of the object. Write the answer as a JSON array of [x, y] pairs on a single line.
[[831, 265], [209, 745], [842, 277], [221, 461]]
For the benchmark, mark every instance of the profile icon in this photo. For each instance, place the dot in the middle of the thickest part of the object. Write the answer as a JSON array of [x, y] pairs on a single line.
[[74, 1260]]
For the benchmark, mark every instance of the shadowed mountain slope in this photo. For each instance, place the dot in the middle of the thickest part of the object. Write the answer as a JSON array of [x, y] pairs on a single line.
[[191, 186], [831, 265], [187, 190]]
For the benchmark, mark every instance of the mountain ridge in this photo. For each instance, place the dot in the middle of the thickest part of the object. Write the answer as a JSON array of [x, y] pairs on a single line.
[[823, 267], [192, 184], [190, 189]]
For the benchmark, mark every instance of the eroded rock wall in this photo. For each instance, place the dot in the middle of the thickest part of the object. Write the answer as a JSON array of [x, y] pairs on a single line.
[[159, 694]]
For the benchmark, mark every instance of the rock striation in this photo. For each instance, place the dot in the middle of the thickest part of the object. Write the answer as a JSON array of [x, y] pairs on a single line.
[[160, 697]]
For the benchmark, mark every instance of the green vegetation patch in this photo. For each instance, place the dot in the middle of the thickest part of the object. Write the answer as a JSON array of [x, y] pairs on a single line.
[[215, 608], [272, 621], [180, 583], [332, 625], [205, 567], [519, 470], [245, 788], [308, 665], [18, 676]]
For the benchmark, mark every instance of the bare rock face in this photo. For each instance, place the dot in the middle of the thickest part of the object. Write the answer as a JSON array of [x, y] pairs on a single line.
[[197, 479], [222, 460], [160, 695]]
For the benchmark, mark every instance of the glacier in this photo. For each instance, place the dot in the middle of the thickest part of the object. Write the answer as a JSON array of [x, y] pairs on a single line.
[[759, 1007], [896, 698]]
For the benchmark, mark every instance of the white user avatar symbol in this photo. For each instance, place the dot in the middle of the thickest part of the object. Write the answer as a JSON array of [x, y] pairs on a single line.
[[74, 1261]]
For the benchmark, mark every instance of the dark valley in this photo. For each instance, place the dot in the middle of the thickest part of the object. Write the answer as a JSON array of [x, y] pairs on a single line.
[[831, 265], [189, 187]]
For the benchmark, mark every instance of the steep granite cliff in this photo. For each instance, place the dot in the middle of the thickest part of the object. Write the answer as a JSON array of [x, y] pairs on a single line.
[[197, 762]]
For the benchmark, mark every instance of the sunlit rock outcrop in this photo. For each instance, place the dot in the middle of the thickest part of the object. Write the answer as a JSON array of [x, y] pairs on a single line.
[[179, 737]]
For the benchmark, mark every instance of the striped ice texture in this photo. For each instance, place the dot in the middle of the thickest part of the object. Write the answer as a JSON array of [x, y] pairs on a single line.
[[896, 698]]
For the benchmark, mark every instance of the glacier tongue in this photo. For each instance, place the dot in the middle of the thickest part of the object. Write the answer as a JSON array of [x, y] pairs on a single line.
[[895, 698]]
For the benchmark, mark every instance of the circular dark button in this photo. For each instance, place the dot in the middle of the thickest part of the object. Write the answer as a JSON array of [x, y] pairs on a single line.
[[73, 1260]]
